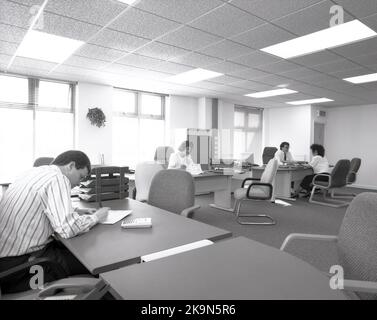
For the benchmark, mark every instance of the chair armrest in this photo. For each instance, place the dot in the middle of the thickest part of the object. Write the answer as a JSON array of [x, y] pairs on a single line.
[[84, 284], [27, 265], [188, 212], [360, 286], [306, 236], [248, 179], [270, 189], [322, 175]]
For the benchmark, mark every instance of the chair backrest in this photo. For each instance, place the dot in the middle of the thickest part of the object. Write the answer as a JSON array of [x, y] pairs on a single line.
[[42, 161], [268, 154], [269, 172], [357, 244], [162, 154], [144, 173], [354, 168], [172, 190], [339, 173]]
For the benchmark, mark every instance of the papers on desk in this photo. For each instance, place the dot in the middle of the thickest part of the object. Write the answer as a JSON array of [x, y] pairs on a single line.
[[194, 169], [116, 215]]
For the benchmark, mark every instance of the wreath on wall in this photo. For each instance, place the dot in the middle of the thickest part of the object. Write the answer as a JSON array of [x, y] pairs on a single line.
[[96, 117]]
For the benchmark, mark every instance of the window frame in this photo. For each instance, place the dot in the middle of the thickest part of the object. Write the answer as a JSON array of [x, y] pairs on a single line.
[[32, 104]]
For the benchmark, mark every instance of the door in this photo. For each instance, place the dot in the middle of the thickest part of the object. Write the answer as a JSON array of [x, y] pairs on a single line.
[[319, 133]]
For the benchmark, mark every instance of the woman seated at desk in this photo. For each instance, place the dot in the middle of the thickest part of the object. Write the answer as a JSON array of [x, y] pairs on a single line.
[[283, 155], [182, 159], [319, 164]]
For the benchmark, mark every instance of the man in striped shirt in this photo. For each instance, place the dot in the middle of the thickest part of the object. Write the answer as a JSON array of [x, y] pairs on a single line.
[[36, 206]]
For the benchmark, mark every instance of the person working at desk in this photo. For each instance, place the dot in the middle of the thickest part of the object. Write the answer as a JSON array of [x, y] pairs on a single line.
[[34, 207], [283, 155], [319, 164], [182, 159]]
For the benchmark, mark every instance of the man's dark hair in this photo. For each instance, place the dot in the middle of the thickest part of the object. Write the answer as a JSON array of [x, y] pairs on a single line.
[[283, 144], [186, 144], [319, 148], [80, 158]]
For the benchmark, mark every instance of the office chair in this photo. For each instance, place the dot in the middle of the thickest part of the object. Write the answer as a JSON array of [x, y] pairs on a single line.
[[144, 173], [79, 288], [42, 161], [173, 190], [337, 179], [162, 155], [351, 178], [356, 245], [261, 190], [268, 154]]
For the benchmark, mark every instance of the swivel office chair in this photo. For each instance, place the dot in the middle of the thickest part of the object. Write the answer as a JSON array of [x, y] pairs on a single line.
[[42, 161], [144, 173], [162, 155], [351, 178], [268, 154]]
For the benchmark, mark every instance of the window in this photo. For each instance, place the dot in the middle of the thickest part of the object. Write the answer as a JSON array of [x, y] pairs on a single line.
[[138, 126], [247, 137], [37, 120]]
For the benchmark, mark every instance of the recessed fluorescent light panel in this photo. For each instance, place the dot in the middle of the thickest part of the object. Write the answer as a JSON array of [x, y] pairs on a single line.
[[192, 76], [47, 47], [339, 35], [270, 93], [363, 79], [311, 101]]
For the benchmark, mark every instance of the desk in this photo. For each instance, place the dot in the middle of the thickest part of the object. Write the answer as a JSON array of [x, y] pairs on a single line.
[[238, 268], [218, 183], [107, 247], [284, 177]]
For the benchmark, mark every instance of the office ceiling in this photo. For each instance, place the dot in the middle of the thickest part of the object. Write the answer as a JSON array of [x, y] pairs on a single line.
[[139, 47]]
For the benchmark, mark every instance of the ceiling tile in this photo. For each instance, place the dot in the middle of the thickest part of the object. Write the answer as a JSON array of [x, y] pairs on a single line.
[[161, 51], [256, 59], [252, 86], [230, 89], [189, 38], [12, 34], [334, 66], [359, 8], [143, 24], [315, 58], [351, 73], [300, 73], [139, 61], [8, 48], [370, 21], [97, 52], [226, 49], [226, 67], [272, 9], [318, 79], [77, 61], [225, 79], [99, 12], [196, 60], [358, 48], [249, 74], [273, 80], [366, 60], [121, 69], [263, 36], [15, 14], [227, 21], [69, 28], [170, 67], [117, 40], [279, 67], [312, 19], [4, 60], [179, 10], [32, 63]]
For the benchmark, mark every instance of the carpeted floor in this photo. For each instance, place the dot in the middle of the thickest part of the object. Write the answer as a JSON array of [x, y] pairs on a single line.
[[299, 217]]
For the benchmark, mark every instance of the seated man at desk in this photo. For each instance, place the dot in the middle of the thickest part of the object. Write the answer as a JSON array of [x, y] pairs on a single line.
[[182, 159], [37, 205], [319, 164], [283, 155]]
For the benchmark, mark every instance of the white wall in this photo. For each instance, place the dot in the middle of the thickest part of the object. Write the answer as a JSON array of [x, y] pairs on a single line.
[[291, 124], [352, 132], [91, 139]]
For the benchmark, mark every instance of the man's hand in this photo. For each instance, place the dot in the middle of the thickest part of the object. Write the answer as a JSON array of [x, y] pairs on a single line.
[[101, 214], [183, 167]]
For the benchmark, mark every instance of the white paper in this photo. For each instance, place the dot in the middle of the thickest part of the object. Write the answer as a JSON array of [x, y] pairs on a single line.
[[114, 216], [194, 169]]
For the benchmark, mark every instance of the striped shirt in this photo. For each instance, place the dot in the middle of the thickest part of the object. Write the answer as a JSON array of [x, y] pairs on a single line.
[[34, 207]]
